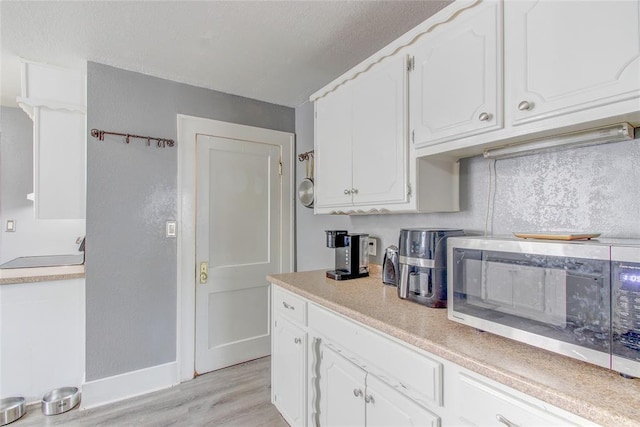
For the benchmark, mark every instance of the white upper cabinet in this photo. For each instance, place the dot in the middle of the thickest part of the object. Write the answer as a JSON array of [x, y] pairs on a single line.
[[361, 140], [484, 74], [333, 149], [456, 77], [379, 134], [55, 99], [566, 56]]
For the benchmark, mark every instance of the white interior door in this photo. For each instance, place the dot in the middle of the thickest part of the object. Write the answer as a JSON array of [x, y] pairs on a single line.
[[239, 237]]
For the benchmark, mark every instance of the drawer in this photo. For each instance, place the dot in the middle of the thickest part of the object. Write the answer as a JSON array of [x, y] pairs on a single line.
[[289, 305], [481, 404], [403, 368]]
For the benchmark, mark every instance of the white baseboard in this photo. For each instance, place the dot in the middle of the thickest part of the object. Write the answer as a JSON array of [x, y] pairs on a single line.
[[130, 384]]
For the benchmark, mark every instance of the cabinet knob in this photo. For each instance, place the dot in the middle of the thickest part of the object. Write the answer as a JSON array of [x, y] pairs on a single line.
[[505, 421], [354, 191], [525, 106], [357, 392], [297, 340], [484, 117], [368, 399], [347, 192]]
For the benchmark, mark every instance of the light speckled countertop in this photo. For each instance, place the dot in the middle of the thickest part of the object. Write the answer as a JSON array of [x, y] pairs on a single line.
[[40, 274], [594, 393]]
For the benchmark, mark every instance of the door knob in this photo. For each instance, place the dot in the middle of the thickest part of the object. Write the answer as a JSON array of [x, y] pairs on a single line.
[[368, 399], [357, 392], [347, 192], [203, 272]]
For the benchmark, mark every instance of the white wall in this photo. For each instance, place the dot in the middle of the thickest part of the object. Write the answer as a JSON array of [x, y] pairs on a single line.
[[588, 189], [32, 237], [42, 337]]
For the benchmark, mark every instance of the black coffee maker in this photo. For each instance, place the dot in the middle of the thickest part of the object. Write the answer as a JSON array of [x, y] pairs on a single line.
[[351, 254]]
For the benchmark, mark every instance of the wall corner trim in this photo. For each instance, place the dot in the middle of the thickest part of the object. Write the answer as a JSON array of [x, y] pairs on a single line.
[[118, 387]]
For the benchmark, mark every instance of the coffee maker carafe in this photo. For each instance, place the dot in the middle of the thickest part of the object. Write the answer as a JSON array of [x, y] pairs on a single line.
[[423, 265], [351, 254]]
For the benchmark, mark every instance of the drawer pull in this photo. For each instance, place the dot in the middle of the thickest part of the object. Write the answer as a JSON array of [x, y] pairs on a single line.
[[357, 392], [288, 306], [525, 106], [484, 117], [505, 421], [369, 399], [297, 340]]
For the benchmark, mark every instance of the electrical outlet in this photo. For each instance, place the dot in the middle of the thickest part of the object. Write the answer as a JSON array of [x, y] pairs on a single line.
[[171, 229], [11, 225], [373, 246]]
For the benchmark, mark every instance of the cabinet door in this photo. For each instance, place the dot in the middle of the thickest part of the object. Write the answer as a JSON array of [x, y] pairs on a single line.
[[388, 407], [380, 133], [342, 388], [455, 83], [480, 404], [59, 164], [333, 148], [565, 56], [289, 368]]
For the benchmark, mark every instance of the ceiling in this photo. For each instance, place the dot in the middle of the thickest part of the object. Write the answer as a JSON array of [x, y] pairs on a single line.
[[275, 51]]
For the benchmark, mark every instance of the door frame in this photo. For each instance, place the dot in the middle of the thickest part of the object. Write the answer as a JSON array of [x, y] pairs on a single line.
[[188, 129]]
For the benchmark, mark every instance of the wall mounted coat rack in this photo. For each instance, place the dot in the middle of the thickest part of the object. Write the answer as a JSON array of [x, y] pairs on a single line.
[[159, 142]]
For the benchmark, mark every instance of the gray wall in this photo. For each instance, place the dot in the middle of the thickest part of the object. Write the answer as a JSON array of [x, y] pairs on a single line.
[[131, 192], [32, 237], [590, 189]]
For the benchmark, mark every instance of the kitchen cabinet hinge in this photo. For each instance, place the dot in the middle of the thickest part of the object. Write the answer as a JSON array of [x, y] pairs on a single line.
[[411, 63], [280, 167], [409, 190], [413, 136]]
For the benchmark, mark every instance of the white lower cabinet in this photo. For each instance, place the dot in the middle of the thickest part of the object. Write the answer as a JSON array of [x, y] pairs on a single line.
[[289, 357], [479, 401], [289, 368], [351, 396], [387, 407], [342, 373], [339, 391]]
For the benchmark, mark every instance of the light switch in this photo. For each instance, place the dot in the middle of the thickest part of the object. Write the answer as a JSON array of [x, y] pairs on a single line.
[[171, 229], [11, 225]]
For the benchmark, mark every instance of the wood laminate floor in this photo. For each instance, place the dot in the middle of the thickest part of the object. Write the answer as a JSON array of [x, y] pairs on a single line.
[[235, 396]]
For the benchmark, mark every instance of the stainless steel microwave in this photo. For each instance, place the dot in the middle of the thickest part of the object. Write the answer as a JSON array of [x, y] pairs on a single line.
[[579, 298]]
